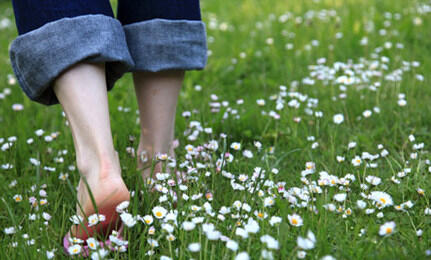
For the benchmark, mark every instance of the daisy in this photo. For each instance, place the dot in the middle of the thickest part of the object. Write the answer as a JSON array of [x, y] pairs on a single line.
[[75, 240], [260, 214], [339, 159], [93, 220], [308, 242], [92, 243], [74, 250], [252, 226], [236, 146], [373, 180], [367, 113], [159, 212], [269, 201], [270, 242], [153, 243], [301, 254], [356, 161], [151, 230], [75, 219], [168, 227], [361, 204], [338, 119], [330, 206], [50, 254], [260, 102], [242, 256], [213, 235], [187, 225], [419, 232], [99, 254], [242, 177], [274, 220], [17, 198], [407, 204], [340, 197], [9, 230], [247, 154], [241, 232], [381, 198], [122, 206], [17, 107], [387, 228], [170, 237], [232, 245], [310, 166], [402, 102], [128, 219], [63, 176], [194, 247], [295, 220]]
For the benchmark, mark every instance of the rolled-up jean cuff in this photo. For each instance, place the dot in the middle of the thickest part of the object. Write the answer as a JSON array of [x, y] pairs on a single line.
[[162, 44], [40, 56]]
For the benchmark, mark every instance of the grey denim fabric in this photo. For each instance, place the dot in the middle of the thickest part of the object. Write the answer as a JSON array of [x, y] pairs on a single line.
[[161, 44], [40, 56]]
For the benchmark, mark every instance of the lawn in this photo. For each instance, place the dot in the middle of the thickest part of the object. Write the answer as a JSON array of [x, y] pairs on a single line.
[[306, 136]]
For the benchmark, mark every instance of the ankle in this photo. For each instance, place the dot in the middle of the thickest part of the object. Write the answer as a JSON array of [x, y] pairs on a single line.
[[101, 166]]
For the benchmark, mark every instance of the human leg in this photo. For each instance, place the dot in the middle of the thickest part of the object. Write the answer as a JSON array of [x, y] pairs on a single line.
[[157, 94], [72, 52], [82, 93], [165, 38]]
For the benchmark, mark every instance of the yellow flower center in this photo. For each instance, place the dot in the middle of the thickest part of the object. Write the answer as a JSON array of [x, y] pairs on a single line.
[[159, 214], [260, 215], [75, 250], [148, 221], [388, 230], [383, 200], [91, 244], [294, 221]]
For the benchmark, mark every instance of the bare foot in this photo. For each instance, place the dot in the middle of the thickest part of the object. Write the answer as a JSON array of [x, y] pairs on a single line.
[[107, 192], [161, 165]]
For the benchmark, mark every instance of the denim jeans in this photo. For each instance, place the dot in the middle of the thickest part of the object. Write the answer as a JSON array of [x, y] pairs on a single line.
[[147, 35]]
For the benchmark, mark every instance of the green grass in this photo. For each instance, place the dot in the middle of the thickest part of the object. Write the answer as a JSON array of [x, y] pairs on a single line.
[[245, 65]]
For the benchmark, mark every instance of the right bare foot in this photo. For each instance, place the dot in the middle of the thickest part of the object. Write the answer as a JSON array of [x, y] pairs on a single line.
[[108, 190]]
